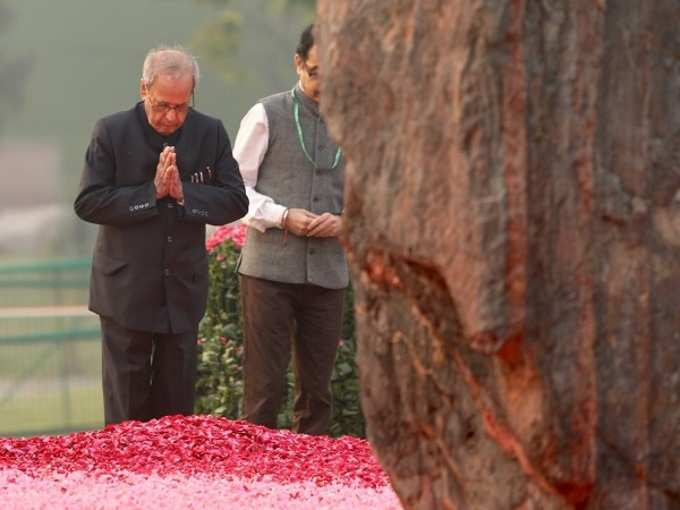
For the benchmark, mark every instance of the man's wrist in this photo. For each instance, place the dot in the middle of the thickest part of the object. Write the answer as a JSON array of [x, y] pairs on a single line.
[[284, 219]]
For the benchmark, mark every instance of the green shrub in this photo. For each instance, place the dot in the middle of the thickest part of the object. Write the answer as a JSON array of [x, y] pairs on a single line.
[[219, 388]]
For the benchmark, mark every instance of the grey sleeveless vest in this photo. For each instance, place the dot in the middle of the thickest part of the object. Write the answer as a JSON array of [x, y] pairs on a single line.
[[291, 180]]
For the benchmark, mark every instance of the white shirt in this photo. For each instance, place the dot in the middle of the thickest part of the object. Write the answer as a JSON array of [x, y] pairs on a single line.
[[250, 148]]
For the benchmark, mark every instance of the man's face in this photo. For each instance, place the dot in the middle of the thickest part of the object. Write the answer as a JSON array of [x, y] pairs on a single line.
[[308, 72], [167, 102]]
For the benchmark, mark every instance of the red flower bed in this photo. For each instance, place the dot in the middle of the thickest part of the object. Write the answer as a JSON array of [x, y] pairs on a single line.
[[191, 462], [199, 444]]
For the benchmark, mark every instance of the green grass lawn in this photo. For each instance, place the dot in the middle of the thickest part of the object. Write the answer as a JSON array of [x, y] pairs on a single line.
[[43, 409], [50, 365], [50, 386], [50, 360]]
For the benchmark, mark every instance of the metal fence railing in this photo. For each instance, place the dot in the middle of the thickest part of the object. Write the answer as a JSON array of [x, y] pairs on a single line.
[[50, 361], [44, 283]]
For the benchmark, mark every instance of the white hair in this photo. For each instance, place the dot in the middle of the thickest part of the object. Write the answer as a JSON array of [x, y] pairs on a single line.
[[175, 61]]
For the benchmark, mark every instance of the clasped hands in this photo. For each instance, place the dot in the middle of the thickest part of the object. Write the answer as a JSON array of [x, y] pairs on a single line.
[[167, 180], [307, 224]]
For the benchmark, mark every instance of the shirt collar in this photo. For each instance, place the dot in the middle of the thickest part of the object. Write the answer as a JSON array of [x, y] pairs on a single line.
[[306, 101]]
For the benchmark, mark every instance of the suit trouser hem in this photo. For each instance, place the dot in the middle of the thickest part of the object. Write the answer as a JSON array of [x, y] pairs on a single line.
[[146, 375], [281, 319]]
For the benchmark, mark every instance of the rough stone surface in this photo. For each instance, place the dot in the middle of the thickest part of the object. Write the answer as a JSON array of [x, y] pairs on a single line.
[[513, 225]]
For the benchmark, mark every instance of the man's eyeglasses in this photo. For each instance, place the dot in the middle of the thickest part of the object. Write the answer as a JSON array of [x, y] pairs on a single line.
[[163, 108]]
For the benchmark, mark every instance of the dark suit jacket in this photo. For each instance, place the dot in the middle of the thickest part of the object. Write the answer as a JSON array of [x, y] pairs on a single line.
[[150, 268]]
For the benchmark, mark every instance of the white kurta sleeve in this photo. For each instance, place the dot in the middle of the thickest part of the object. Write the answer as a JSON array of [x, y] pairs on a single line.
[[250, 148]]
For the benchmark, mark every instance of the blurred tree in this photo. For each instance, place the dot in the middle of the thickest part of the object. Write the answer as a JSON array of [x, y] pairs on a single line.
[[233, 40], [13, 71]]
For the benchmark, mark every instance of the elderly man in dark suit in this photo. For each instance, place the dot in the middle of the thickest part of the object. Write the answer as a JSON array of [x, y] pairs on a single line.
[[154, 176]]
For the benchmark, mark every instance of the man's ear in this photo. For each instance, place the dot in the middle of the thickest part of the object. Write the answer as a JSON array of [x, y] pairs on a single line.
[[143, 91]]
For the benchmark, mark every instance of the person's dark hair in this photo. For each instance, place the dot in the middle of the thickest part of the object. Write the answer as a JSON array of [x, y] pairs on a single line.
[[306, 42]]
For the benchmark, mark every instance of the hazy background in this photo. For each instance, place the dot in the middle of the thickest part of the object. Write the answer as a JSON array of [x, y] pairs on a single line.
[[65, 63]]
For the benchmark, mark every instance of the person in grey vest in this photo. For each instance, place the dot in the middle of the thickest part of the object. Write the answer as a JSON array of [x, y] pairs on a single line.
[[293, 271], [154, 175]]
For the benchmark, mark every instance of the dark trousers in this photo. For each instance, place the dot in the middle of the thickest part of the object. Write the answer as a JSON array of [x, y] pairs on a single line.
[[277, 316], [146, 375]]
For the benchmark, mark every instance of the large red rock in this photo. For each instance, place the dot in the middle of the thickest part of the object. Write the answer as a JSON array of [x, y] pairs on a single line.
[[513, 224]]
